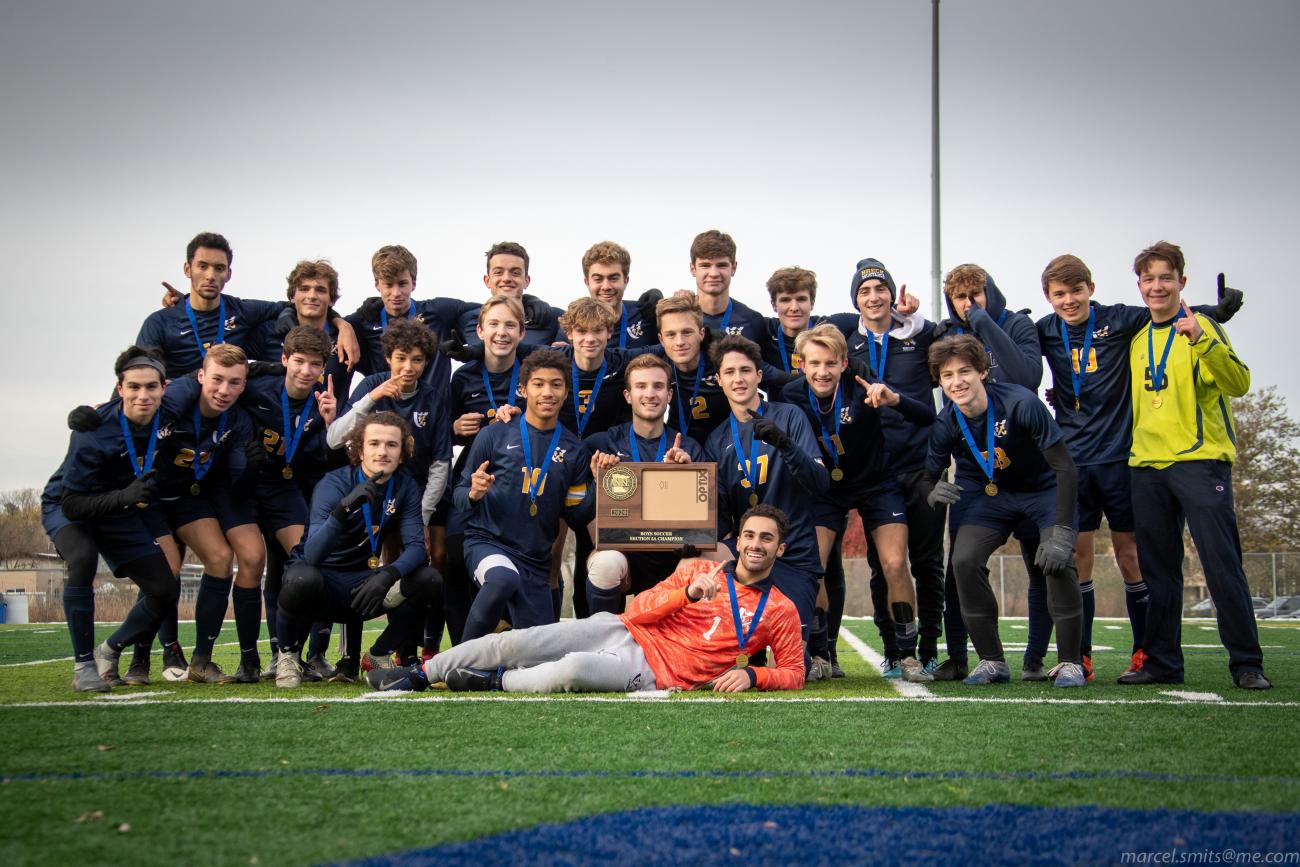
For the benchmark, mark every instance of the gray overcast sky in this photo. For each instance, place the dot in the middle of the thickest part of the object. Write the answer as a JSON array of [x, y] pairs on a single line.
[[328, 129]]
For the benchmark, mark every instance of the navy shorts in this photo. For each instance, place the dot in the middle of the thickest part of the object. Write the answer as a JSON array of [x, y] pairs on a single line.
[[645, 569], [878, 504], [801, 588], [52, 519], [532, 605], [1106, 488], [280, 504], [123, 538], [443, 510], [218, 503], [1009, 511]]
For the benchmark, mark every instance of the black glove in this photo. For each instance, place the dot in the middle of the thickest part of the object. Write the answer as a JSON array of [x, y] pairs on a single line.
[[1049, 395], [368, 599], [1024, 311], [370, 308], [1229, 301], [1056, 551], [83, 419], [265, 368], [646, 304], [858, 366], [367, 490], [286, 321], [139, 493], [770, 432], [536, 312], [944, 493], [455, 349]]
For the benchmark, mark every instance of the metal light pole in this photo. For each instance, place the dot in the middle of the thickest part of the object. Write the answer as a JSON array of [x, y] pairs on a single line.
[[936, 273]]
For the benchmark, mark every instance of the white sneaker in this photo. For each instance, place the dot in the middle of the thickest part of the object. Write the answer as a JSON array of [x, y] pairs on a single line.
[[914, 671], [820, 669], [106, 660], [288, 671]]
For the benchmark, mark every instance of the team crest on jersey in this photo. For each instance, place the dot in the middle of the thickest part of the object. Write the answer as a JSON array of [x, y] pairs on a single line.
[[711, 379], [558, 457], [636, 329], [230, 324], [164, 432], [1101, 333], [1000, 427], [736, 330], [420, 418], [220, 439], [846, 415], [390, 507], [745, 617]]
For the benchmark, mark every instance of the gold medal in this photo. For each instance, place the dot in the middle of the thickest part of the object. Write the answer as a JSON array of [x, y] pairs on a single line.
[[1157, 402], [287, 472], [194, 489], [991, 489], [742, 660], [532, 509], [1076, 404], [373, 562], [753, 499], [837, 474]]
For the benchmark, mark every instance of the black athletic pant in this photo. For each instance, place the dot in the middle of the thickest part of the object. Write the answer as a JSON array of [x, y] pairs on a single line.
[[1200, 494], [925, 526], [971, 550]]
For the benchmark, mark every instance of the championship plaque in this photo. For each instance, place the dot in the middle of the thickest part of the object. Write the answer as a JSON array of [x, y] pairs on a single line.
[[657, 506]]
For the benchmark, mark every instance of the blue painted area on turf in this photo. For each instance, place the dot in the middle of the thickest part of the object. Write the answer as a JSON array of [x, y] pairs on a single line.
[[489, 773], [812, 835]]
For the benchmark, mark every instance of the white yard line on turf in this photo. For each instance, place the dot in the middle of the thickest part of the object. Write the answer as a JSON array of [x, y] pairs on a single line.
[[905, 689]]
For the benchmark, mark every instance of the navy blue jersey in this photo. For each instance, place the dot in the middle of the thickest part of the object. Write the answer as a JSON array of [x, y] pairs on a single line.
[[170, 330], [738, 319], [608, 407], [1101, 429], [698, 401], [1022, 429], [630, 332], [617, 441], [346, 546], [219, 448], [470, 394], [426, 413], [502, 516], [438, 315], [778, 348], [860, 451], [261, 400], [789, 480], [268, 345], [906, 370], [99, 461], [542, 330]]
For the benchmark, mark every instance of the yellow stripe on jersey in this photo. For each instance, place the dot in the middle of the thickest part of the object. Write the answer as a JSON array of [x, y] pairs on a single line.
[[1193, 418], [575, 495]]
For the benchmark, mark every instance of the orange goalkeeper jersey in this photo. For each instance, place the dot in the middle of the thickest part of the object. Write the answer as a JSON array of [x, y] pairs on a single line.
[[690, 643]]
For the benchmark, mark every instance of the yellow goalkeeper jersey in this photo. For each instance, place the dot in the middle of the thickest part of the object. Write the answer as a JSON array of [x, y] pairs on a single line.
[[1189, 418]]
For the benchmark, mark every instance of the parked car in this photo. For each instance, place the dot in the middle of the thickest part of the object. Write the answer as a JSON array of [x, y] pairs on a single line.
[[1279, 607], [1204, 608]]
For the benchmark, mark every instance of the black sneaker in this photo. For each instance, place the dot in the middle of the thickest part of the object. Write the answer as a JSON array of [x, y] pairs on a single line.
[[1032, 671], [1252, 679], [951, 669], [249, 672], [347, 671], [138, 672], [836, 671], [406, 678], [319, 664], [474, 680]]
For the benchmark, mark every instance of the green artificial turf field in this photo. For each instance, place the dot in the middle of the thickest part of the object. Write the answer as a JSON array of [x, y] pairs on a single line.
[[189, 774]]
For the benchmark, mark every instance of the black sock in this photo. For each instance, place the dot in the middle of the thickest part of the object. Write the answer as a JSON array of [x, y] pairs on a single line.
[[271, 604], [209, 612], [319, 643], [140, 621], [1040, 624], [817, 639], [1137, 599], [247, 602], [1089, 612], [79, 610]]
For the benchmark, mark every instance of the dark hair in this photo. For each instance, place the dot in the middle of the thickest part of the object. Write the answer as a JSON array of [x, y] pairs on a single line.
[[508, 248], [357, 436], [1165, 252], [792, 281], [544, 359], [151, 352], [763, 510], [212, 241], [317, 270], [713, 245], [734, 343], [407, 334], [961, 346], [306, 340]]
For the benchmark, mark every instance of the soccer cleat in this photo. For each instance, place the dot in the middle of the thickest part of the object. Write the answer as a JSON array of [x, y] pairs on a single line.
[[288, 671], [1252, 679], [820, 669], [931, 665], [1135, 663], [137, 673], [836, 671], [1069, 674], [1088, 673], [398, 678], [889, 669], [175, 668], [318, 664], [1141, 677], [106, 661], [1033, 672], [346, 671], [85, 678], [371, 661], [914, 671], [988, 671], [269, 674], [474, 680], [951, 669], [249, 672], [203, 670]]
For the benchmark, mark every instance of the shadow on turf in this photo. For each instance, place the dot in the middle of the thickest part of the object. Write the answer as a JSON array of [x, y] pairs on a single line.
[[814, 835]]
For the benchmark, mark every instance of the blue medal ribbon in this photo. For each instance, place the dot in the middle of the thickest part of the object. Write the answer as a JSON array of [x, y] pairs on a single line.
[[377, 531], [293, 436], [194, 325], [136, 467], [535, 489], [985, 464], [581, 413], [510, 395], [816, 407], [1079, 371], [780, 344], [201, 466], [726, 317], [1158, 374], [683, 419], [383, 315], [744, 635], [878, 356], [636, 453], [748, 467]]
